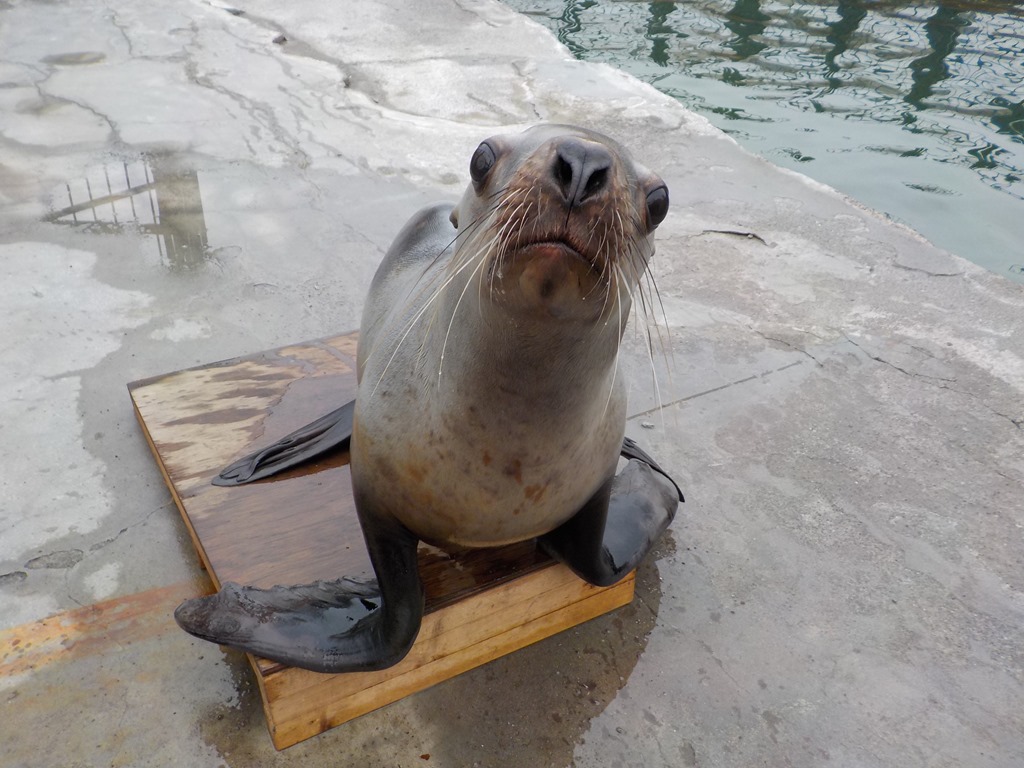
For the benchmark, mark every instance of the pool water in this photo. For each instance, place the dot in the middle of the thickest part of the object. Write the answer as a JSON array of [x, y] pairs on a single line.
[[914, 110]]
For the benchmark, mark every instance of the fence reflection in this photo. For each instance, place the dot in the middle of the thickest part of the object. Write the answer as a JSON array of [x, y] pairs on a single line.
[[151, 195]]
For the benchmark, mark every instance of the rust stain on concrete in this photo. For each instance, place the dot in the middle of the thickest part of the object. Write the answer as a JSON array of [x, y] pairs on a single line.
[[92, 629]]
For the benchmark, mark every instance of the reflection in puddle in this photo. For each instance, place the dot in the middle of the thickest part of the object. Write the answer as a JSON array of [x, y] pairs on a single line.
[[150, 195]]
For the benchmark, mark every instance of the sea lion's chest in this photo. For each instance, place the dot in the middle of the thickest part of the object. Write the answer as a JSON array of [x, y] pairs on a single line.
[[484, 475]]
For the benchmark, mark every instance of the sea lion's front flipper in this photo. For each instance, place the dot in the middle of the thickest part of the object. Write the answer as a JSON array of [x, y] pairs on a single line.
[[328, 626], [328, 433], [618, 526]]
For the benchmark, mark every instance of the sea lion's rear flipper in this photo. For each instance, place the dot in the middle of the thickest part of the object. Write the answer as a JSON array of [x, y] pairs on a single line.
[[630, 450], [328, 626], [328, 433], [606, 539]]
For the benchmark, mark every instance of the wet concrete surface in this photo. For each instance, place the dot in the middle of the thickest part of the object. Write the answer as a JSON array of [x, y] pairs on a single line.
[[841, 401]]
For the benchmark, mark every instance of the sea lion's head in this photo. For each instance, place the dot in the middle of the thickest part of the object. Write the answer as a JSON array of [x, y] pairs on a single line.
[[558, 222]]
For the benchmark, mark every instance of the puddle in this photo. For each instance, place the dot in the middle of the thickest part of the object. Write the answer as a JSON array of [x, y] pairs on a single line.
[[154, 195]]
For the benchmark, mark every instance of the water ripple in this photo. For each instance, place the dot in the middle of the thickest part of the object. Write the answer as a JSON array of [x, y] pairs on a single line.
[[932, 96]]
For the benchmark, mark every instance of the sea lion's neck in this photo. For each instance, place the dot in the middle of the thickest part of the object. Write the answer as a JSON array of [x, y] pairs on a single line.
[[549, 369]]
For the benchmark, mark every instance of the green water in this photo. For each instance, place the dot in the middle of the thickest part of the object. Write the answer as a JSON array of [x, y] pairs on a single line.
[[915, 110]]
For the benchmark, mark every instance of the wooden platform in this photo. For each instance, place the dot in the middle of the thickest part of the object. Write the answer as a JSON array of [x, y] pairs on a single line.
[[302, 527]]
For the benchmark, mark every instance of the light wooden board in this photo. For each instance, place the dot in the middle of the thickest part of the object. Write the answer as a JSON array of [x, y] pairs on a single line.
[[302, 527]]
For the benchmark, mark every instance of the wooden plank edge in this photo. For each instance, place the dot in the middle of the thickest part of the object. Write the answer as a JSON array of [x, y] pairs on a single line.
[[287, 731], [196, 542], [318, 343]]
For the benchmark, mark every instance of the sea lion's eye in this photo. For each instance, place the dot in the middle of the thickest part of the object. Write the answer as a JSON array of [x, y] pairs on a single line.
[[657, 206], [482, 162]]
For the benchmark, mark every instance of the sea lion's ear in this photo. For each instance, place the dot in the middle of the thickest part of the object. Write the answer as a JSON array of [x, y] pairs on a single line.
[[453, 217]]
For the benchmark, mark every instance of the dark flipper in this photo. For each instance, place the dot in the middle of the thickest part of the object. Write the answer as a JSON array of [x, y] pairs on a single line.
[[327, 626], [328, 433], [348, 626], [630, 450], [618, 526]]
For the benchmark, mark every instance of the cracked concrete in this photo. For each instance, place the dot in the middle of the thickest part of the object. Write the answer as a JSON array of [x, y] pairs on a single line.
[[841, 401]]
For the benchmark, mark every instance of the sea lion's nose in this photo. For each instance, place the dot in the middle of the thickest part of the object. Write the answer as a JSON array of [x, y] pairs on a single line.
[[581, 169]]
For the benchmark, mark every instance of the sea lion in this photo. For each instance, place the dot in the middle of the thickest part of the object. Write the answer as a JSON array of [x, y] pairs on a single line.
[[489, 408]]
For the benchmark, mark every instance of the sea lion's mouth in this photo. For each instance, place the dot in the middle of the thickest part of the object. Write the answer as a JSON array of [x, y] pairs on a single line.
[[551, 276], [556, 250]]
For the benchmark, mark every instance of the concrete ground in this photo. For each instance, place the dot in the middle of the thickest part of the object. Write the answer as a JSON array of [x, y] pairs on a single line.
[[842, 402]]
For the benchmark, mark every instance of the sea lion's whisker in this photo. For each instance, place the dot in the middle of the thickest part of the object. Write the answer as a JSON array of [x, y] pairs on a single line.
[[470, 228], [408, 329], [656, 294], [618, 349], [494, 242], [611, 293], [451, 322], [505, 234], [645, 307], [649, 346], [449, 275]]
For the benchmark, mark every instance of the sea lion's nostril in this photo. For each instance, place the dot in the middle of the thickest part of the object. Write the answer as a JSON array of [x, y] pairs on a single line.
[[581, 170]]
